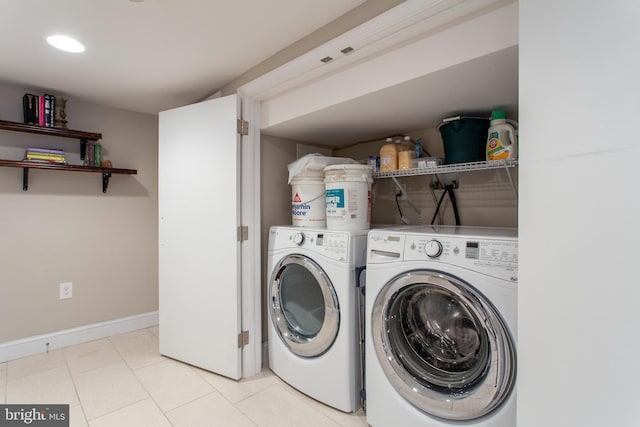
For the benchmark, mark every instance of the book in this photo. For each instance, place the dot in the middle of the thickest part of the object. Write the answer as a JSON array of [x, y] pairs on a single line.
[[47, 161], [29, 108], [97, 154], [41, 110], [45, 150], [47, 110], [45, 156]]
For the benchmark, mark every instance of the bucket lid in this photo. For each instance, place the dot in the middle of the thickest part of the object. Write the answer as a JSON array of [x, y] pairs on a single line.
[[309, 174], [359, 168], [341, 173]]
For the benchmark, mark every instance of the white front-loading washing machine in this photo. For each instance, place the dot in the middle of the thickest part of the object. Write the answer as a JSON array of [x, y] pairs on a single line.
[[315, 307], [441, 313]]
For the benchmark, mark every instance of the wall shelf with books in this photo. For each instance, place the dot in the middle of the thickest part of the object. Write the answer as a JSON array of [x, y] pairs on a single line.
[[64, 133]]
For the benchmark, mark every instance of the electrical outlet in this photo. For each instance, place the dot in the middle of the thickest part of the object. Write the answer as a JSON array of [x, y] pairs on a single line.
[[66, 290]]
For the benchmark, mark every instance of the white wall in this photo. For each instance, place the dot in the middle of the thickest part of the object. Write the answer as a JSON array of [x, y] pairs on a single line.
[[579, 290], [64, 229]]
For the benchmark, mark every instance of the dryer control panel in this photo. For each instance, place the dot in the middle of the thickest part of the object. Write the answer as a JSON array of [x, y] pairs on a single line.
[[330, 244]]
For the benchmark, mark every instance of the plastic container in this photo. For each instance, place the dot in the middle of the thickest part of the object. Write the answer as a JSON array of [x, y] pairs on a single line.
[[406, 154], [464, 139], [426, 162], [405, 159], [348, 197], [389, 156], [418, 144], [501, 139], [307, 199]]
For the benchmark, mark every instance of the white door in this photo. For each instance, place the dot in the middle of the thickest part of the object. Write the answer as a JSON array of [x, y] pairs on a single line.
[[199, 252]]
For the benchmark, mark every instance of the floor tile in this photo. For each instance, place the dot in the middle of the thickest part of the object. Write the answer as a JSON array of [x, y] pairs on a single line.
[[138, 350], [277, 406], [235, 391], [127, 335], [140, 414], [172, 384], [91, 355], [108, 388], [155, 330], [76, 417], [35, 364], [49, 387], [356, 419], [210, 410]]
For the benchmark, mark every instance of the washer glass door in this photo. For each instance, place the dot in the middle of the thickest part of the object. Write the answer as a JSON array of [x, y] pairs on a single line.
[[443, 345], [303, 306]]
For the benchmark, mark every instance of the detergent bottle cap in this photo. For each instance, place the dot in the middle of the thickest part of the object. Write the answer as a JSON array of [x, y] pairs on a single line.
[[498, 114]]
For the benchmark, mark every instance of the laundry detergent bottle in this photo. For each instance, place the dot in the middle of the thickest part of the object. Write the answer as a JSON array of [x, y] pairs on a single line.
[[501, 140]]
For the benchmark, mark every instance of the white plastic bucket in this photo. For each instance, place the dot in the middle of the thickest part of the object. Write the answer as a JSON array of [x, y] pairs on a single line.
[[307, 199], [348, 196]]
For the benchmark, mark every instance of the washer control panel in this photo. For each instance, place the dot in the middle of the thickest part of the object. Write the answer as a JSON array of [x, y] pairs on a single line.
[[496, 257]]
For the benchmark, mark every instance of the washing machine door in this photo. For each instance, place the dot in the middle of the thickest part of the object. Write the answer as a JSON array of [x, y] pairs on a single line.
[[442, 345], [304, 306]]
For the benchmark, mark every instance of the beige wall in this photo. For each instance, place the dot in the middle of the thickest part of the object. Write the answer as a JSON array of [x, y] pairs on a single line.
[[64, 229], [275, 205]]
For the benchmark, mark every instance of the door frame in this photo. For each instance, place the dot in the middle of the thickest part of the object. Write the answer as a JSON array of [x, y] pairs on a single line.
[[251, 261]]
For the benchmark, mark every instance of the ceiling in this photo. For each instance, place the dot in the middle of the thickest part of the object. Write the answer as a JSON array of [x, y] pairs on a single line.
[[471, 88], [150, 55]]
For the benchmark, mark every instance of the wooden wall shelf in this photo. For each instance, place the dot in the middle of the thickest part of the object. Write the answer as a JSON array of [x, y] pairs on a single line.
[[51, 131], [26, 165], [84, 137]]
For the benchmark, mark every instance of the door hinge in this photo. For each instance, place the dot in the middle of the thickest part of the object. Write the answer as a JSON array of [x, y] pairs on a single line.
[[243, 127], [243, 233], [243, 339]]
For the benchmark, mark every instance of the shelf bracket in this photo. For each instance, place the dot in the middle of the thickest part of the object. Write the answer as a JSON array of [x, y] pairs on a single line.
[[25, 179], [403, 191], [105, 181], [438, 182], [83, 147], [513, 186]]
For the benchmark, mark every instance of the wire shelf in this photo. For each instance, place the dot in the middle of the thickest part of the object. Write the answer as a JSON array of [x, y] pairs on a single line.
[[453, 168]]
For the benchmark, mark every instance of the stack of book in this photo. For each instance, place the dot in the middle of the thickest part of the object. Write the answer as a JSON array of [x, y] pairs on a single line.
[[39, 109], [93, 154], [45, 155]]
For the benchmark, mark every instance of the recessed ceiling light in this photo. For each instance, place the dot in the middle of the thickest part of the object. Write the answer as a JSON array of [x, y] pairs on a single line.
[[65, 43]]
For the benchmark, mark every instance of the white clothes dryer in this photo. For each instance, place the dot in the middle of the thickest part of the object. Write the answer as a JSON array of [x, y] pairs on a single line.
[[315, 307], [441, 321]]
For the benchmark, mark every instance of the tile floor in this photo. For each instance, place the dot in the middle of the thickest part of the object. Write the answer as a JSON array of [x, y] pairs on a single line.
[[124, 381]]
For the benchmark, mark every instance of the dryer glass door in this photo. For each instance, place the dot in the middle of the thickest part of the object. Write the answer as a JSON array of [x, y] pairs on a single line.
[[443, 345], [304, 306]]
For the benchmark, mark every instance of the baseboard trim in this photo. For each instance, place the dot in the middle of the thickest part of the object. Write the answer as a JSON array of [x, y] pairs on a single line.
[[29, 346]]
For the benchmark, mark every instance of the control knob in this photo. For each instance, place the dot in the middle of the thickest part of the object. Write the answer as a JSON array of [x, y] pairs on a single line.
[[298, 238], [433, 248]]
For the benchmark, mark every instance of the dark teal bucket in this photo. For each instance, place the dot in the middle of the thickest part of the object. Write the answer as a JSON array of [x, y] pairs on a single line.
[[464, 139]]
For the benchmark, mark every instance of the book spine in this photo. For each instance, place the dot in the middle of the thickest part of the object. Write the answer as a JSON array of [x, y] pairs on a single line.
[[89, 156], [46, 161], [51, 158], [97, 155], [41, 110], [52, 113], [45, 150], [29, 106], [47, 110]]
